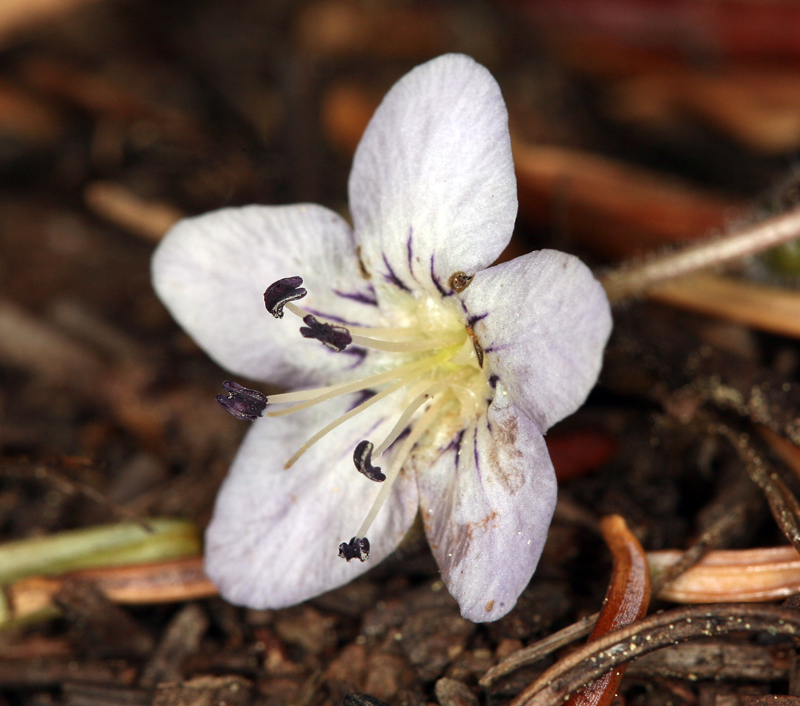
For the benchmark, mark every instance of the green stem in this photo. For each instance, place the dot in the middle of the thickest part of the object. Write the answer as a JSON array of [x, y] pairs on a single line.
[[104, 545]]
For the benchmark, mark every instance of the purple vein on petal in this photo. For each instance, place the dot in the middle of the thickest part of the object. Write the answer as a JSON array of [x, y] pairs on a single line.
[[359, 297], [475, 452], [410, 250], [475, 318], [455, 444], [392, 277], [436, 282], [360, 398], [359, 353]]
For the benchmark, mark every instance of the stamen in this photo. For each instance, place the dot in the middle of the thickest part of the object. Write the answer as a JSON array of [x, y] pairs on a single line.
[[336, 338], [362, 457], [280, 293], [426, 344], [328, 393], [357, 547], [242, 402], [341, 420], [363, 336], [421, 426], [416, 403], [303, 395]]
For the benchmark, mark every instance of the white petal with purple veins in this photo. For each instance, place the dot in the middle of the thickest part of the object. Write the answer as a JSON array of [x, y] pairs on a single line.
[[274, 537], [211, 272], [543, 321], [486, 504], [432, 190]]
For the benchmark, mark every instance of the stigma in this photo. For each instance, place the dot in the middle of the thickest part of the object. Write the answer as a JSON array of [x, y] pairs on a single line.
[[431, 364]]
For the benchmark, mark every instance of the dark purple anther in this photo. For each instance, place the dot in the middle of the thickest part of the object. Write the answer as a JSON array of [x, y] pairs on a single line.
[[336, 338], [356, 548], [362, 457], [242, 402], [282, 292]]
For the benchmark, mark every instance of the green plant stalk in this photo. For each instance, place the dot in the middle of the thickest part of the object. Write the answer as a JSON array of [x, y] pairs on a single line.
[[104, 545]]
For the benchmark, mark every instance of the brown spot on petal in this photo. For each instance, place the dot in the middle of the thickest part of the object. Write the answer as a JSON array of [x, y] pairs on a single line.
[[506, 434], [483, 525], [504, 456], [488, 607]]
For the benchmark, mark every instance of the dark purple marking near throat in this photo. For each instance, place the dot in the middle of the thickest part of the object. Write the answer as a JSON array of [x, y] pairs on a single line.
[[392, 277], [436, 282], [360, 397], [410, 249], [476, 454], [456, 444], [475, 450], [359, 297], [359, 353], [475, 318]]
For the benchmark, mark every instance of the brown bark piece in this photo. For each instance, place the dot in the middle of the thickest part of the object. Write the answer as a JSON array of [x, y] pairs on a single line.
[[450, 692], [46, 673], [308, 628], [433, 638], [205, 691], [181, 639], [714, 660], [81, 694], [103, 627], [769, 700]]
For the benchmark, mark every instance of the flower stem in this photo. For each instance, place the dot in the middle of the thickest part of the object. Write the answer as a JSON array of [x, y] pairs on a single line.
[[631, 280], [106, 545]]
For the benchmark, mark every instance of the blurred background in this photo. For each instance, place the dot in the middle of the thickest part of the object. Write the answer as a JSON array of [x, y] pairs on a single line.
[[637, 125]]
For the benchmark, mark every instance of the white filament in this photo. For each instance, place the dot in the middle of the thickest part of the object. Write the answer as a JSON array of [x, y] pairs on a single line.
[[419, 428], [341, 420]]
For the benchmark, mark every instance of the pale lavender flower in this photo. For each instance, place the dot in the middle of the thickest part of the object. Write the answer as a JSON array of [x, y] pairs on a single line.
[[439, 372]]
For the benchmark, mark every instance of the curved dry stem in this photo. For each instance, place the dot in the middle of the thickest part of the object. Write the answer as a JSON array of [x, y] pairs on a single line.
[[660, 630]]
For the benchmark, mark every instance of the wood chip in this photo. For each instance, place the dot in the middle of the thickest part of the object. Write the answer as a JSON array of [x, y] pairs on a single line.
[[450, 692], [202, 691], [104, 628], [180, 640], [715, 660]]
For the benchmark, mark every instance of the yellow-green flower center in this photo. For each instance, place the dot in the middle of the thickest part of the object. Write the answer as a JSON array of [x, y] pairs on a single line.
[[427, 358]]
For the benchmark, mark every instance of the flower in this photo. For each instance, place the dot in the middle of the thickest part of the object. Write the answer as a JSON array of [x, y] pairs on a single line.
[[416, 355]]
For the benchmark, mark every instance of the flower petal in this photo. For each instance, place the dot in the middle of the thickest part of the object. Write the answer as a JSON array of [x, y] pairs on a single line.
[[274, 537], [543, 321], [211, 272], [486, 505], [432, 190]]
